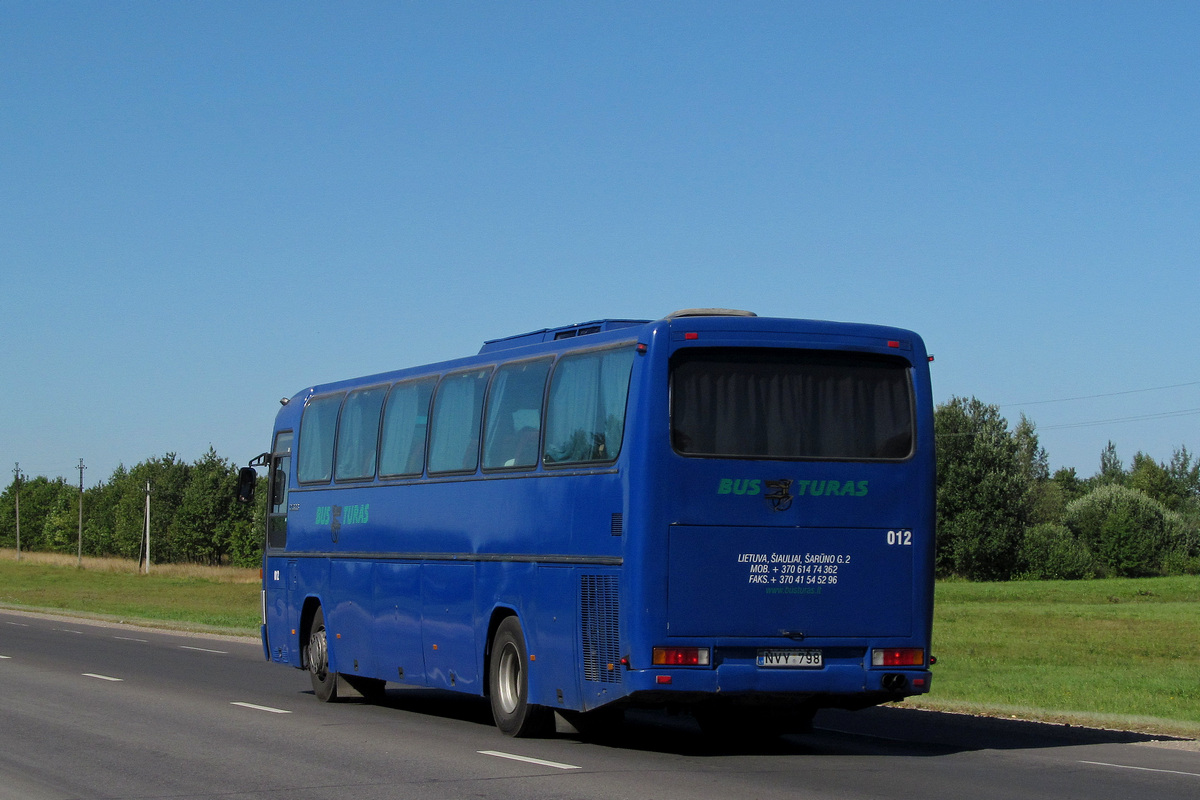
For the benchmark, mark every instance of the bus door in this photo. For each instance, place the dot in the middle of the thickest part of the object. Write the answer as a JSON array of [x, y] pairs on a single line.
[[281, 464], [280, 578]]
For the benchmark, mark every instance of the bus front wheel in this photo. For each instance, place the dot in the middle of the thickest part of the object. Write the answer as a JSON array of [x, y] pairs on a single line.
[[508, 685], [324, 681]]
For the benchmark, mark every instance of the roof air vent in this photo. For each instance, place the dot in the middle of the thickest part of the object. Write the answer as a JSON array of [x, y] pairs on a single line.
[[711, 312]]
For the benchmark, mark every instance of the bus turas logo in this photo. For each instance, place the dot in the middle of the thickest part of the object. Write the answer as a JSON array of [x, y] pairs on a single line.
[[780, 496], [782, 491], [337, 516]]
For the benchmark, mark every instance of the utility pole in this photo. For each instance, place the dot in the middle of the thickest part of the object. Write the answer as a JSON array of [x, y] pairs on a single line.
[[79, 556], [17, 499], [147, 527]]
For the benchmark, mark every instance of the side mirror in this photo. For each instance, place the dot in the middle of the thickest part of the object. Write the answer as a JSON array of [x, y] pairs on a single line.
[[247, 480]]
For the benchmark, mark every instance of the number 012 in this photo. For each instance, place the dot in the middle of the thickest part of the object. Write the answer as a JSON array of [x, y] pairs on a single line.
[[900, 537]]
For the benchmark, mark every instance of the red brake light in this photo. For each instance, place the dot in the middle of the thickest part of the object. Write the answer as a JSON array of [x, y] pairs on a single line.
[[680, 657], [898, 657]]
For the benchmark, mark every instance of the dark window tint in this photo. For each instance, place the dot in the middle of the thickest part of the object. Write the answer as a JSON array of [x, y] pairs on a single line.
[[777, 403], [585, 414], [514, 415], [281, 462], [405, 420], [457, 408], [318, 427], [358, 434]]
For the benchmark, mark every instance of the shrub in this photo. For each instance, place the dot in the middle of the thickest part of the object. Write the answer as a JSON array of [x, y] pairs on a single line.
[[1129, 533], [1051, 552]]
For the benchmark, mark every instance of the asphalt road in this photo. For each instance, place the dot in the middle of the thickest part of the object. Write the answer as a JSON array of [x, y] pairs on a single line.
[[95, 711]]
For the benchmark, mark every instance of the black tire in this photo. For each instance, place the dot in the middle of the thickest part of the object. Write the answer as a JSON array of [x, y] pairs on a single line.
[[508, 685], [316, 659]]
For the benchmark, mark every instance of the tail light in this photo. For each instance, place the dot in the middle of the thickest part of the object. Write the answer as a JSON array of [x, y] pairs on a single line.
[[898, 657], [680, 657]]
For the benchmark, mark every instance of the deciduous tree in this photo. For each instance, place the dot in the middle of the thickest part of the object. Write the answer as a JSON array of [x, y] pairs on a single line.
[[983, 489]]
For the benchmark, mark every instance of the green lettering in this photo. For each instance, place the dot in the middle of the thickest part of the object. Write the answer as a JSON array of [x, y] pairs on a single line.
[[726, 486]]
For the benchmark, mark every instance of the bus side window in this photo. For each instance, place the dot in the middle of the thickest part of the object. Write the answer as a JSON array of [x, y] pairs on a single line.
[[358, 434], [405, 421], [514, 415], [585, 416], [457, 409], [317, 429]]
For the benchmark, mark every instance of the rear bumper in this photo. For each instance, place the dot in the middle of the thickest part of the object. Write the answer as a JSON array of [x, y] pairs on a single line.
[[833, 682]]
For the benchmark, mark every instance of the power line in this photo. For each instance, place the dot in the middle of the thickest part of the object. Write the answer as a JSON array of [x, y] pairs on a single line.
[[1187, 412], [1138, 418], [1095, 396]]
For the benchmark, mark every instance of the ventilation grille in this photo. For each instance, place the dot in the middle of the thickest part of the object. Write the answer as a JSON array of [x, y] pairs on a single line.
[[618, 524], [599, 628]]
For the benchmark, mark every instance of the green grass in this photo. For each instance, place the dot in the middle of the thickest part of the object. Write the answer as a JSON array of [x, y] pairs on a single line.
[[1115, 653], [192, 597], [1122, 653]]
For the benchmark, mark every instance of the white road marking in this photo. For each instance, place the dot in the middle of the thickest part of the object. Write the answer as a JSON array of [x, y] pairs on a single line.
[[1142, 769], [3, 657], [68, 630], [204, 650], [131, 639], [18, 624], [527, 759], [102, 677], [261, 708]]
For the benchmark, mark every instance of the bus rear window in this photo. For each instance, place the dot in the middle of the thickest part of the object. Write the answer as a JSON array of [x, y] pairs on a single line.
[[791, 404]]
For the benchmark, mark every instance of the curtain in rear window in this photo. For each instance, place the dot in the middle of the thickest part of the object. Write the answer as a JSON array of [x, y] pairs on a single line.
[[791, 404]]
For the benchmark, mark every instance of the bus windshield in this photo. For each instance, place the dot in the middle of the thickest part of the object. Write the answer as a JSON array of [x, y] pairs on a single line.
[[759, 402]]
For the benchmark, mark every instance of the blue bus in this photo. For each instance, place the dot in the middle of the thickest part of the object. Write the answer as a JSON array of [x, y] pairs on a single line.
[[714, 512]]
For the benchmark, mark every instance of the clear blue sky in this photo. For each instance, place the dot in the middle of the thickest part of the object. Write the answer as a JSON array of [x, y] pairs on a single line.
[[205, 207]]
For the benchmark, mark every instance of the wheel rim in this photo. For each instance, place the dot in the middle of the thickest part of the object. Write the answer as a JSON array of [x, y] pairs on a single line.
[[318, 654], [508, 678]]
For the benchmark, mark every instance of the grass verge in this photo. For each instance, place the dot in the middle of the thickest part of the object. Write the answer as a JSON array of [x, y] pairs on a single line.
[[221, 599], [1121, 653]]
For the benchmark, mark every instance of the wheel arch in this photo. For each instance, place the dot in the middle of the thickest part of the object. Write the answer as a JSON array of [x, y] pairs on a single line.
[[499, 614], [307, 612]]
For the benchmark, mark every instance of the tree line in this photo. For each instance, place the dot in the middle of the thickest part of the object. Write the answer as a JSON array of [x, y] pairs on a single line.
[[1001, 515], [194, 514]]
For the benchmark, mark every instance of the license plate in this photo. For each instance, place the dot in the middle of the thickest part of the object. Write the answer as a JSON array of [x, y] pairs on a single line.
[[795, 658]]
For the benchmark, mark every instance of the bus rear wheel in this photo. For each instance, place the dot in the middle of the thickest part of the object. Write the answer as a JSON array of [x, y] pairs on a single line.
[[508, 685], [324, 681]]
